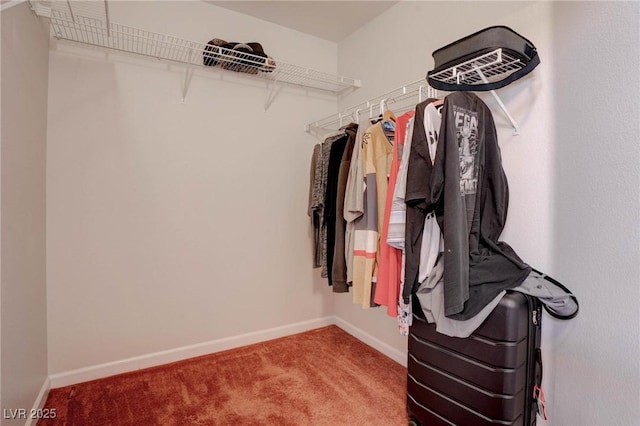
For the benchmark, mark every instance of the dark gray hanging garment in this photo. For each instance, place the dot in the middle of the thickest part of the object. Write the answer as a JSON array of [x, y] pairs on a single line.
[[470, 195]]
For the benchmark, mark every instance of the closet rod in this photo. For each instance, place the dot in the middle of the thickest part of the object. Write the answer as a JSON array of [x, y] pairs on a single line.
[[415, 92]]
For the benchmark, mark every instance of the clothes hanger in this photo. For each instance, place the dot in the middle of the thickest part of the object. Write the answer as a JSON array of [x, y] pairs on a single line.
[[420, 92], [386, 114], [439, 102], [371, 119], [388, 121], [338, 132], [431, 94], [351, 123]]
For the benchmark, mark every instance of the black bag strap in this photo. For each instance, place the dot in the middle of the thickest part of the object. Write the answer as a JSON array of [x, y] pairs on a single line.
[[566, 290]]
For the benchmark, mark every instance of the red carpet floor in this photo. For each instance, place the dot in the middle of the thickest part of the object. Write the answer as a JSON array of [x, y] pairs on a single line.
[[320, 377]]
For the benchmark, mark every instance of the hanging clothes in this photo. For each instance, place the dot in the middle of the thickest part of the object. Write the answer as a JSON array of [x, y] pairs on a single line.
[[417, 197], [337, 150], [397, 215], [381, 202], [430, 268], [430, 294], [354, 198], [396, 229], [315, 202], [469, 184], [324, 176], [377, 148], [407, 223], [389, 269], [339, 265], [432, 242]]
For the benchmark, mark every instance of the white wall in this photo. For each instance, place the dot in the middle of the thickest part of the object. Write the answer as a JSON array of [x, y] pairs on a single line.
[[23, 333], [402, 40], [141, 256], [596, 210], [574, 203], [172, 224]]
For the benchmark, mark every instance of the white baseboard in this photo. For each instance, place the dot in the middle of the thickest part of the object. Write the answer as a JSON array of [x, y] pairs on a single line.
[[398, 356], [178, 354], [40, 401]]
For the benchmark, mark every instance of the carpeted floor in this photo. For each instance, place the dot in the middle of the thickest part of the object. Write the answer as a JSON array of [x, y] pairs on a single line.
[[320, 377]]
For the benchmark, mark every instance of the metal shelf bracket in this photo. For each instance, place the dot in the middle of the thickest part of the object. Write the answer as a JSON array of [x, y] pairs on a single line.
[[273, 87], [516, 129], [188, 74]]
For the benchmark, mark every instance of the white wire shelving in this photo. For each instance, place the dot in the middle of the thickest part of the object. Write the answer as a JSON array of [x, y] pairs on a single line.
[[399, 100], [489, 67], [493, 66], [88, 22]]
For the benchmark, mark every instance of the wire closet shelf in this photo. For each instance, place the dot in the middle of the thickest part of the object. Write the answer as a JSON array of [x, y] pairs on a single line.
[[488, 67], [493, 66], [68, 22], [399, 100]]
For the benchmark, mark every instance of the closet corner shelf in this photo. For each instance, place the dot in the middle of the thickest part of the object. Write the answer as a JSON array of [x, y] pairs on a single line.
[[88, 22], [486, 68]]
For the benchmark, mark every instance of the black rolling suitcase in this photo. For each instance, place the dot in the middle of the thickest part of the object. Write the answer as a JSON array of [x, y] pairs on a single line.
[[485, 379]]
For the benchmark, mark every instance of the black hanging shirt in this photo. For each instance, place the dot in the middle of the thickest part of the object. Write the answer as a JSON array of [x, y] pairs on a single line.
[[470, 196]]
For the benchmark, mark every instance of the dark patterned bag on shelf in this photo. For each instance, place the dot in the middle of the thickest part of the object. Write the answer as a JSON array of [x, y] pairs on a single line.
[[248, 58]]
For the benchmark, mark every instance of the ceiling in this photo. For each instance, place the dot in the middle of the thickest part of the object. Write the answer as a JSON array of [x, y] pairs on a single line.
[[330, 20]]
